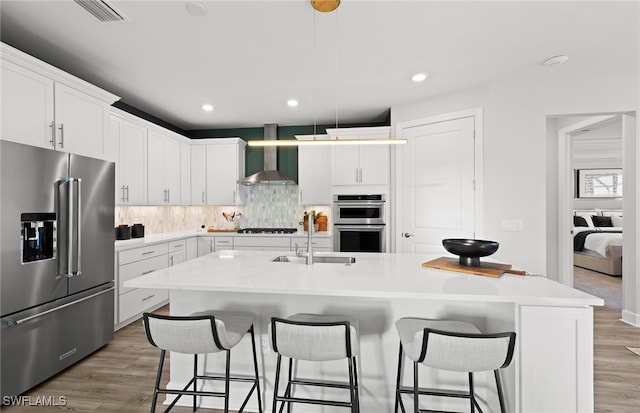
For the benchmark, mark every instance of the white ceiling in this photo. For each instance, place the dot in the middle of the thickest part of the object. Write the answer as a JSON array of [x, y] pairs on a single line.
[[248, 57]]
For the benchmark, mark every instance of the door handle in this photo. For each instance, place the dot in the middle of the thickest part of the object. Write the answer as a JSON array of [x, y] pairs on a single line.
[[407, 235], [61, 135], [69, 209], [53, 133]]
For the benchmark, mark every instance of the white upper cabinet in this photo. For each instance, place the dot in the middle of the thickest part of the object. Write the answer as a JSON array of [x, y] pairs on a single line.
[[314, 179], [198, 174], [360, 164], [163, 169], [27, 106], [224, 169], [185, 173], [216, 167], [46, 107], [82, 122], [131, 167]]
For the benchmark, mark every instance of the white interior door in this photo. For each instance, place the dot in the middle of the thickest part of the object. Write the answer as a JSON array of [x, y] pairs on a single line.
[[437, 193]]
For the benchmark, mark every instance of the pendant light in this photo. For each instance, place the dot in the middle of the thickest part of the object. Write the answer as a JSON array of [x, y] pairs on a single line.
[[327, 6]]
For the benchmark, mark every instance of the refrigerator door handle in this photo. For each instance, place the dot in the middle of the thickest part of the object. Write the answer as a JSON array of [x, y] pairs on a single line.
[[69, 218], [31, 317]]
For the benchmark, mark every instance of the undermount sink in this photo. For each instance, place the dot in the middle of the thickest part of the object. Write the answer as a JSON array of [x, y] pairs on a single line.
[[327, 259]]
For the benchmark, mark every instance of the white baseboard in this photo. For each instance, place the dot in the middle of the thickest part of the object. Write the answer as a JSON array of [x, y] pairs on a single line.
[[631, 318]]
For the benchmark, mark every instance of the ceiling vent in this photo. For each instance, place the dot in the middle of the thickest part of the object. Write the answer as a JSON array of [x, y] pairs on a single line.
[[102, 10]]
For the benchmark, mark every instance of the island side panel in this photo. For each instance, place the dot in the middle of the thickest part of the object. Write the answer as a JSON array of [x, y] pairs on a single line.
[[378, 345], [555, 360]]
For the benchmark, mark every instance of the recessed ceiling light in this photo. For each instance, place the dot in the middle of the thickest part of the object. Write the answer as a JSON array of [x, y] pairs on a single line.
[[555, 60], [207, 107], [419, 77], [196, 9], [292, 103]]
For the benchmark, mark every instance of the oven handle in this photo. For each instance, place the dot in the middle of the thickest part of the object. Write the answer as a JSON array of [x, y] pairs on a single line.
[[358, 203], [370, 228]]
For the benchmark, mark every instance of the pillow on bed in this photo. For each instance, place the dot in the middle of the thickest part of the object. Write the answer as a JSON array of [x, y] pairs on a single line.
[[616, 221], [579, 221], [586, 215], [601, 221]]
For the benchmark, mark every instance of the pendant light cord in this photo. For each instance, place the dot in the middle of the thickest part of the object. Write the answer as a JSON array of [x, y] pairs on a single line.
[[336, 62], [315, 76]]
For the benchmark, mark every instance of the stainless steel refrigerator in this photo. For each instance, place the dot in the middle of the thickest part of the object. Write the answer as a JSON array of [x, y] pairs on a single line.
[[56, 262]]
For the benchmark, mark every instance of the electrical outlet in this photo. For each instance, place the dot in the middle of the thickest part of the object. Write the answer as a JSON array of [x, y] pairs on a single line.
[[264, 342]]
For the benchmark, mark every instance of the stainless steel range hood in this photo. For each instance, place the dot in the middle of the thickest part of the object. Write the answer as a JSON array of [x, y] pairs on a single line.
[[270, 175]]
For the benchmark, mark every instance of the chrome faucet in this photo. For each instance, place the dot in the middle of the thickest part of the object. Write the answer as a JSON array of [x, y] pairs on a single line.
[[309, 239]]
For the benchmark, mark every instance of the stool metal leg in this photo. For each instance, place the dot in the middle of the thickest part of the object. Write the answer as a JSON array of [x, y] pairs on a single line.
[[352, 387], [226, 382], [357, 386], [471, 399], [416, 405], [195, 375], [500, 394], [398, 382], [289, 390], [255, 368], [275, 384], [157, 387]]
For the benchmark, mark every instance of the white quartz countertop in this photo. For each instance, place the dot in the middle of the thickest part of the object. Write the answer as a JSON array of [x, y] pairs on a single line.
[[390, 275], [148, 240]]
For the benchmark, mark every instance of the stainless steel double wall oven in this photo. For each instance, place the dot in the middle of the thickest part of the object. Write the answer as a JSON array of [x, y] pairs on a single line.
[[359, 223]]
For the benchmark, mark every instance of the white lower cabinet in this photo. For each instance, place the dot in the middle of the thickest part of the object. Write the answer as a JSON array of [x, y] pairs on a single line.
[[206, 245], [132, 302], [318, 244], [250, 243], [177, 252], [192, 248], [223, 243]]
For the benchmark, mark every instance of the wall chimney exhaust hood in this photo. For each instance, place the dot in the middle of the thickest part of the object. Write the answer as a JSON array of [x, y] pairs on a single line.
[[270, 175]]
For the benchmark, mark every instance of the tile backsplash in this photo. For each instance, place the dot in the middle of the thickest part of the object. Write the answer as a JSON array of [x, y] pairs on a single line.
[[266, 206]]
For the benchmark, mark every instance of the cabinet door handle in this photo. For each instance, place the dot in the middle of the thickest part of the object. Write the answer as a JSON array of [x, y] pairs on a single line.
[[61, 135], [147, 272], [148, 252], [168, 196], [171, 261], [360, 180], [53, 133], [149, 297], [203, 197], [122, 193], [357, 176]]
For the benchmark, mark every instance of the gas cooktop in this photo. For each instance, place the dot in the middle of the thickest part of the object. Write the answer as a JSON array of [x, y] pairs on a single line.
[[267, 230]]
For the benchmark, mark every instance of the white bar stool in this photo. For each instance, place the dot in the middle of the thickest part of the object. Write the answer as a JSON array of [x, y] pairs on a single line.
[[315, 337], [202, 333], [454, 346]]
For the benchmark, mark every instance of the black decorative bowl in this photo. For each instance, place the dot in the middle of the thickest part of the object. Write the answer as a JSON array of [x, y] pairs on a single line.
[[470, 250]]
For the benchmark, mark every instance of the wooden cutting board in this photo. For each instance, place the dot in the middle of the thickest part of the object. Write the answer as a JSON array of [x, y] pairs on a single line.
[[487, 269], [222, 230]]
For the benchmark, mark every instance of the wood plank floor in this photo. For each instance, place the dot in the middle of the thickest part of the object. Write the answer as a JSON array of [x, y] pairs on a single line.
[[120, 376]]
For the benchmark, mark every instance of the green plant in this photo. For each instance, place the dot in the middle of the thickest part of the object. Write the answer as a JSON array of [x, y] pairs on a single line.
[[316, 215]]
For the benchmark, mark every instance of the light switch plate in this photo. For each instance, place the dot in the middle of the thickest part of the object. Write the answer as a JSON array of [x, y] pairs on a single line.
[[511, 224]]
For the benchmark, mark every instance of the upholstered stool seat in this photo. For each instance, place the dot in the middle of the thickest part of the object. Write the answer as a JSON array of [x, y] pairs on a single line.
[[203, 333], [316, 337], [454, 346]]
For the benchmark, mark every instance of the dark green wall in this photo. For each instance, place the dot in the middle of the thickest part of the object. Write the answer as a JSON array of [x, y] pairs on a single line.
[[287, 157], [254, 158]]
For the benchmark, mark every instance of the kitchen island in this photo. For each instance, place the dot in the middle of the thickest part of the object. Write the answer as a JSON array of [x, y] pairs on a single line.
[[553, 364]]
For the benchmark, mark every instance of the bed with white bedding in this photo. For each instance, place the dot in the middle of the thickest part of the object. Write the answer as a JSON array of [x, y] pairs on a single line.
[[598, 245]]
